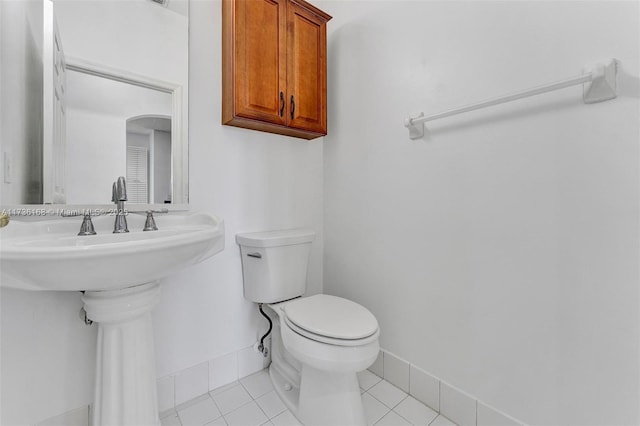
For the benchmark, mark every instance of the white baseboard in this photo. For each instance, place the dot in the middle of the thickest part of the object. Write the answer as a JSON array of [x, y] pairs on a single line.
[[451, 402]]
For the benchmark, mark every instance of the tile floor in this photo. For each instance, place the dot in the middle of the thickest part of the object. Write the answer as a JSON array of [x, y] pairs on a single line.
[[252, 401]]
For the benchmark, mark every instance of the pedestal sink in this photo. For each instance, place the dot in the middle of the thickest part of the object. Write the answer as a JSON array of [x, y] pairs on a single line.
[[118, 274]]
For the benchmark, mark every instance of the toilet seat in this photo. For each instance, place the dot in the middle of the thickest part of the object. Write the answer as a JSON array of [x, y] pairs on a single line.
[[331, 320]]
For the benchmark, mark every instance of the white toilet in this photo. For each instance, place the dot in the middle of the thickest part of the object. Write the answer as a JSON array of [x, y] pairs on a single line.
[[320, 342]]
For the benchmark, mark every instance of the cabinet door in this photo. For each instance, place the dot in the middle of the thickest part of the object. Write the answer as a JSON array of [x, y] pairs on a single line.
[[306, 69], [259, 70]]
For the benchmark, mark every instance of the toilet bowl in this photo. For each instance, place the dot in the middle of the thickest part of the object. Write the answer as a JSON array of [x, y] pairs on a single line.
[[328, 357], [319, 342], [329, 333]]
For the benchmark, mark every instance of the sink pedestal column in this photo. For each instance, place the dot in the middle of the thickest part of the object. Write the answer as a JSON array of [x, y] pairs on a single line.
[[125, 392]]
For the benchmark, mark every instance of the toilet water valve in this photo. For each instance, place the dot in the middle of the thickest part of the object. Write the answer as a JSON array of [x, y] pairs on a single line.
[[262, 348]]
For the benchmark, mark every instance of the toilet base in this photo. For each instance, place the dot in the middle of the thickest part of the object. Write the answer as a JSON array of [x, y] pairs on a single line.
[[317, 396], [287, 390], [329, 398], [323, 399]]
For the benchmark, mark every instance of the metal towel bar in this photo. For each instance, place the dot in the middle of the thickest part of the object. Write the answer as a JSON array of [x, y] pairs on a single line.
[[600, 86]]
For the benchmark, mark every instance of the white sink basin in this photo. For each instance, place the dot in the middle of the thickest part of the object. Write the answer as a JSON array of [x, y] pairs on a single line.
[[119, 275], [48, 255]]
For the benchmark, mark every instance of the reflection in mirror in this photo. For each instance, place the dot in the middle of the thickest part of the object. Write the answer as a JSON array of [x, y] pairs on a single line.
[[54, 147], [110, 131], [149, 159]]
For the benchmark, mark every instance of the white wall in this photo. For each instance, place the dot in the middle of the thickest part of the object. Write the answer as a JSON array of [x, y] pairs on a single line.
[[88, 135], [47, 356], [501, 252], [254, 181], [21, 27]]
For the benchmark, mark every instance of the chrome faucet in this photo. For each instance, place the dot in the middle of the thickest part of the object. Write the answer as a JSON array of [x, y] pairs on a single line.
[[119, 196]]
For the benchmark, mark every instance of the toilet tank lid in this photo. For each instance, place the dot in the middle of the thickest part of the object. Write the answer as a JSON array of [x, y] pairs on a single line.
[[276, 238]]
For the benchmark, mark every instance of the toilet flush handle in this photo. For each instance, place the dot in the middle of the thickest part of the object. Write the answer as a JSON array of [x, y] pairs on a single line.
[[256, 255]]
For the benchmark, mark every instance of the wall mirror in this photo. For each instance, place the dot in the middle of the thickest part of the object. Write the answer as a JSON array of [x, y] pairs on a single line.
[[114, 102]]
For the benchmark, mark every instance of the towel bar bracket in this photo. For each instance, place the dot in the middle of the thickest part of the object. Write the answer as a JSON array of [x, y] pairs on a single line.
[[416, 130], [603, 86]]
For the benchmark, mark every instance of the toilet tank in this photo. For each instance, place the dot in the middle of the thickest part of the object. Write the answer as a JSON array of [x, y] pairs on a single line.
[[274, 264]]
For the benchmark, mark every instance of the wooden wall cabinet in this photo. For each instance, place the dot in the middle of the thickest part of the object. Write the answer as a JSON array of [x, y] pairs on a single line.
[[274, 67]]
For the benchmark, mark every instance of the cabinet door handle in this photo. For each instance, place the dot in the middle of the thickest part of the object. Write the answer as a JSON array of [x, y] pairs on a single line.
[[293, 106], [281, 104]]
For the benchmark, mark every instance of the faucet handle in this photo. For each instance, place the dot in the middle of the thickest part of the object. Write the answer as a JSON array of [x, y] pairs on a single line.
[[87, 226], [150, 223], [149, 210]]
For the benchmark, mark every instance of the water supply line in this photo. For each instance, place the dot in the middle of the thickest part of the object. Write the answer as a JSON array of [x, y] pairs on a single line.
[[261, 348]]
